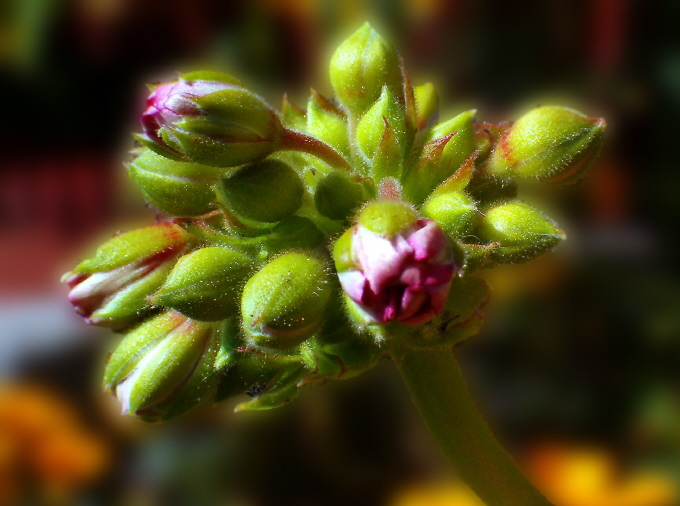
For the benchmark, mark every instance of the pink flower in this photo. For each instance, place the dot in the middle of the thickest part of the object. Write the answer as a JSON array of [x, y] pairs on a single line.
[[170, 101], [403, 277]]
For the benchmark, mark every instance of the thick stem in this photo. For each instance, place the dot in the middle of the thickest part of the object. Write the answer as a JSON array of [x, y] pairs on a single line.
[[299, 141], [437, 387]]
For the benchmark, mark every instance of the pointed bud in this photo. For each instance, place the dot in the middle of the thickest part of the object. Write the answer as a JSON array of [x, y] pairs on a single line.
[[388, 160], [553, 144], [285, 302], [175, 188], [212, 122], [454, 212], [265, 191], [293, 117], [372, 126], [361, 66], [164, 367], [522, 231], [394, 266], [427, 105], [448, 146], [205, 284], [111, 288], [338, 195], [327, 122]]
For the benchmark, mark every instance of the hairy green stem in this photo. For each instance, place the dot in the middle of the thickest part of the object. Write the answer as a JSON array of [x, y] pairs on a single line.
[[438, 389], [298, 141]]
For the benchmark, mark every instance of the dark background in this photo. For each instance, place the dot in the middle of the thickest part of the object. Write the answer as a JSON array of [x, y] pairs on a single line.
[[580, 348]]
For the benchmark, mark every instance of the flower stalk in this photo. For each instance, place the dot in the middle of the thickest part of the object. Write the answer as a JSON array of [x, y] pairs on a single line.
[[437, 387]]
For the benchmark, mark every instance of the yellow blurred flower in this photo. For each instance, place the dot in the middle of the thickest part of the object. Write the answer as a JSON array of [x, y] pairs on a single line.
[[41, 437], [568, 475], [573, 475]]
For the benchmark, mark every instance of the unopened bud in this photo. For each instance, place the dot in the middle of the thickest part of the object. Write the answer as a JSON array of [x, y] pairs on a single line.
[[553, 144], [111, 288], [164, 367], [284, 303], [427, 105], [265, 191], [212, 122], [175, 188], [205, 284], [338, 195], [361, 66], [522, 231], [453, 211]]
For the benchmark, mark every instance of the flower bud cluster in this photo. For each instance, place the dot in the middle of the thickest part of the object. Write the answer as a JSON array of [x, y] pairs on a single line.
[[301, 245]]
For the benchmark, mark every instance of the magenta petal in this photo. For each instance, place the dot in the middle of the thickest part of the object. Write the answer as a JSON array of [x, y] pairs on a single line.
[[438, 296], [381, 259], [437, 274], [412, 302], [354, 284], [428, 241]]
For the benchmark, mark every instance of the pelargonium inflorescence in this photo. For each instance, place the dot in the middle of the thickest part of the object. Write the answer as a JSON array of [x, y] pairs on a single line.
[[304, 244]]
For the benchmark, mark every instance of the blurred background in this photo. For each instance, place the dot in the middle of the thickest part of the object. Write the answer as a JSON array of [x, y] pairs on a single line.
[[577, 366]]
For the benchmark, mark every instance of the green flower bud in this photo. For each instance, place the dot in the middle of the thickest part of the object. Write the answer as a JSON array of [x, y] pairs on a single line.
[[361, 66], [285, 302], [210, 121], [448, 146], [327, 122], [164, 367], [553, 144], [338, 195], [453, 211], [205, 284], [293, 232], [371, 127], [427, 105], [175, 188], [522, 231], [111, 288], [265, 191]]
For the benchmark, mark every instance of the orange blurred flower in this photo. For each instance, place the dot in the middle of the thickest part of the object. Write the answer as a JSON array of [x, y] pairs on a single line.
[[42, 439]]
